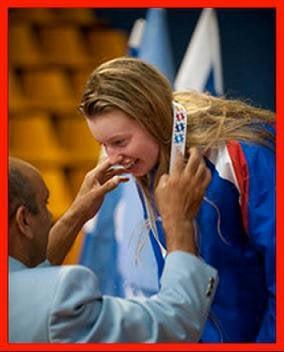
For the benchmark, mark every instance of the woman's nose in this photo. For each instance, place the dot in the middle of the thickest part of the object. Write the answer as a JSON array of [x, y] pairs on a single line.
[[113, 155]]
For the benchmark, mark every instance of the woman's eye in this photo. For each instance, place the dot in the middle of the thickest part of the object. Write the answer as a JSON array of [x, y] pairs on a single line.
[[119, 142]]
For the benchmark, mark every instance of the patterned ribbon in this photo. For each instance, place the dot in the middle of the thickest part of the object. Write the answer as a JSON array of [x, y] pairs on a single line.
[[179, 132], [153, 221]]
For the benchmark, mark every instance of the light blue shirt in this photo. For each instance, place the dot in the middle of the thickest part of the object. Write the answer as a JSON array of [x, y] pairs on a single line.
[[64, 304]]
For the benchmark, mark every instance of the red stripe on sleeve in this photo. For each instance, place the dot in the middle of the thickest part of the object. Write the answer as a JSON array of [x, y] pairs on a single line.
[[241, 170]]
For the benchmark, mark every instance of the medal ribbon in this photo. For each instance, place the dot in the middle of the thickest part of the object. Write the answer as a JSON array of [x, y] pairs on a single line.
[[178, 133], [153, 222]]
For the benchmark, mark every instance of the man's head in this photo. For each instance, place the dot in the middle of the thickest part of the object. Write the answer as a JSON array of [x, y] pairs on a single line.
[[29, 218]]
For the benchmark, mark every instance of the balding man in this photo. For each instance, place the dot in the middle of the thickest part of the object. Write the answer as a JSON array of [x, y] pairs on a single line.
[[63, 303]]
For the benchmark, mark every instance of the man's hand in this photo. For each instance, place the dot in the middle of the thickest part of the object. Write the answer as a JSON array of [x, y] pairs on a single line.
[[99, 181], [178, 198]]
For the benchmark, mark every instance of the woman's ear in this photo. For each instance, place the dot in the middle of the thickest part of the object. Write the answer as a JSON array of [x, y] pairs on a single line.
[[23, 221]]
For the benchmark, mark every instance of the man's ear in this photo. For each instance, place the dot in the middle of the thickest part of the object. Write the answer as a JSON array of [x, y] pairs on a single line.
[[23, 221]]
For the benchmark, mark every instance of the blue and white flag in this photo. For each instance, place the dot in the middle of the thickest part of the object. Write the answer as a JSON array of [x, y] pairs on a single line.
[[99, 249], [201, 68], [155, 47], [135, 38], [109, 240]]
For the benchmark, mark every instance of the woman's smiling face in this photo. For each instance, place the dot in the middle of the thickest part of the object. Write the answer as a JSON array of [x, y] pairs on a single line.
[[124, 138]]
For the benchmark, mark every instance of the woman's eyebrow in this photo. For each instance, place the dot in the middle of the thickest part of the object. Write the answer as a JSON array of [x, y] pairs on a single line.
[[118, 135]]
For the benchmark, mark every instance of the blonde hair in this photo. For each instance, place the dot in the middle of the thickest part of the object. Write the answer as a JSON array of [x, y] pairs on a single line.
[[215, 120], [143, 93]]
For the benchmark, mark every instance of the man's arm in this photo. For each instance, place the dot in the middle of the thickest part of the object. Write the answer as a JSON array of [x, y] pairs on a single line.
[[179, 311], [176, 313], [99, 181]]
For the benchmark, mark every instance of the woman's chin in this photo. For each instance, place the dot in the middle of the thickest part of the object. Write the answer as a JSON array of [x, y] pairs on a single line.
[[137, 173], [140, 169]]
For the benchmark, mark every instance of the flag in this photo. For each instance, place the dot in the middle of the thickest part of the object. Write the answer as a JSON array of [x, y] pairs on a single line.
[[155, 45], [99, 250], [201, 68], [135, 37]]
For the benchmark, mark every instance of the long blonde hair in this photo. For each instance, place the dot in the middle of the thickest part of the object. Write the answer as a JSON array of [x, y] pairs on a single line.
[[144, 94]]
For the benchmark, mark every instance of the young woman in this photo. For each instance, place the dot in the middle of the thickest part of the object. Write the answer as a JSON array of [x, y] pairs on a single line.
[[129, 108]]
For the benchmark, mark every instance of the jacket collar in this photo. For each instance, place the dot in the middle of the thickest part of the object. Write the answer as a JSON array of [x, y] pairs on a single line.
[[15, 265]]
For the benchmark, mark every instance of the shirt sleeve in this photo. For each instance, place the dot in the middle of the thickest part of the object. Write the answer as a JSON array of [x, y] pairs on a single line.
[[178, 312], [261, 224]]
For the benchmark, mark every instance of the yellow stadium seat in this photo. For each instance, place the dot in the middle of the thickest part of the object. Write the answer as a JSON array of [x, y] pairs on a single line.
[[60, 194], [33, 15], [23, 47], [49, 16], [64, 45], [17, 101], [107, 44], [80, 16], [79, 79], [33, 138], [49, 89], [76, 176], [73, 255], [74, 136]]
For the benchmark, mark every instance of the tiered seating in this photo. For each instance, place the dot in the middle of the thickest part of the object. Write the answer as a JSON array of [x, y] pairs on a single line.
[[33, 15], [60, 194], [52, 52], [48, 16], [66, 44], [78, 79], [75, 16], [23, 46], [82, 146], [106, 44], [48, 89], [33, 138], [17, 102]]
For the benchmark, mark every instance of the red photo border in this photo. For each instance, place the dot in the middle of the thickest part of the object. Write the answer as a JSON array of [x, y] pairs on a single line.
[[278, 5]]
